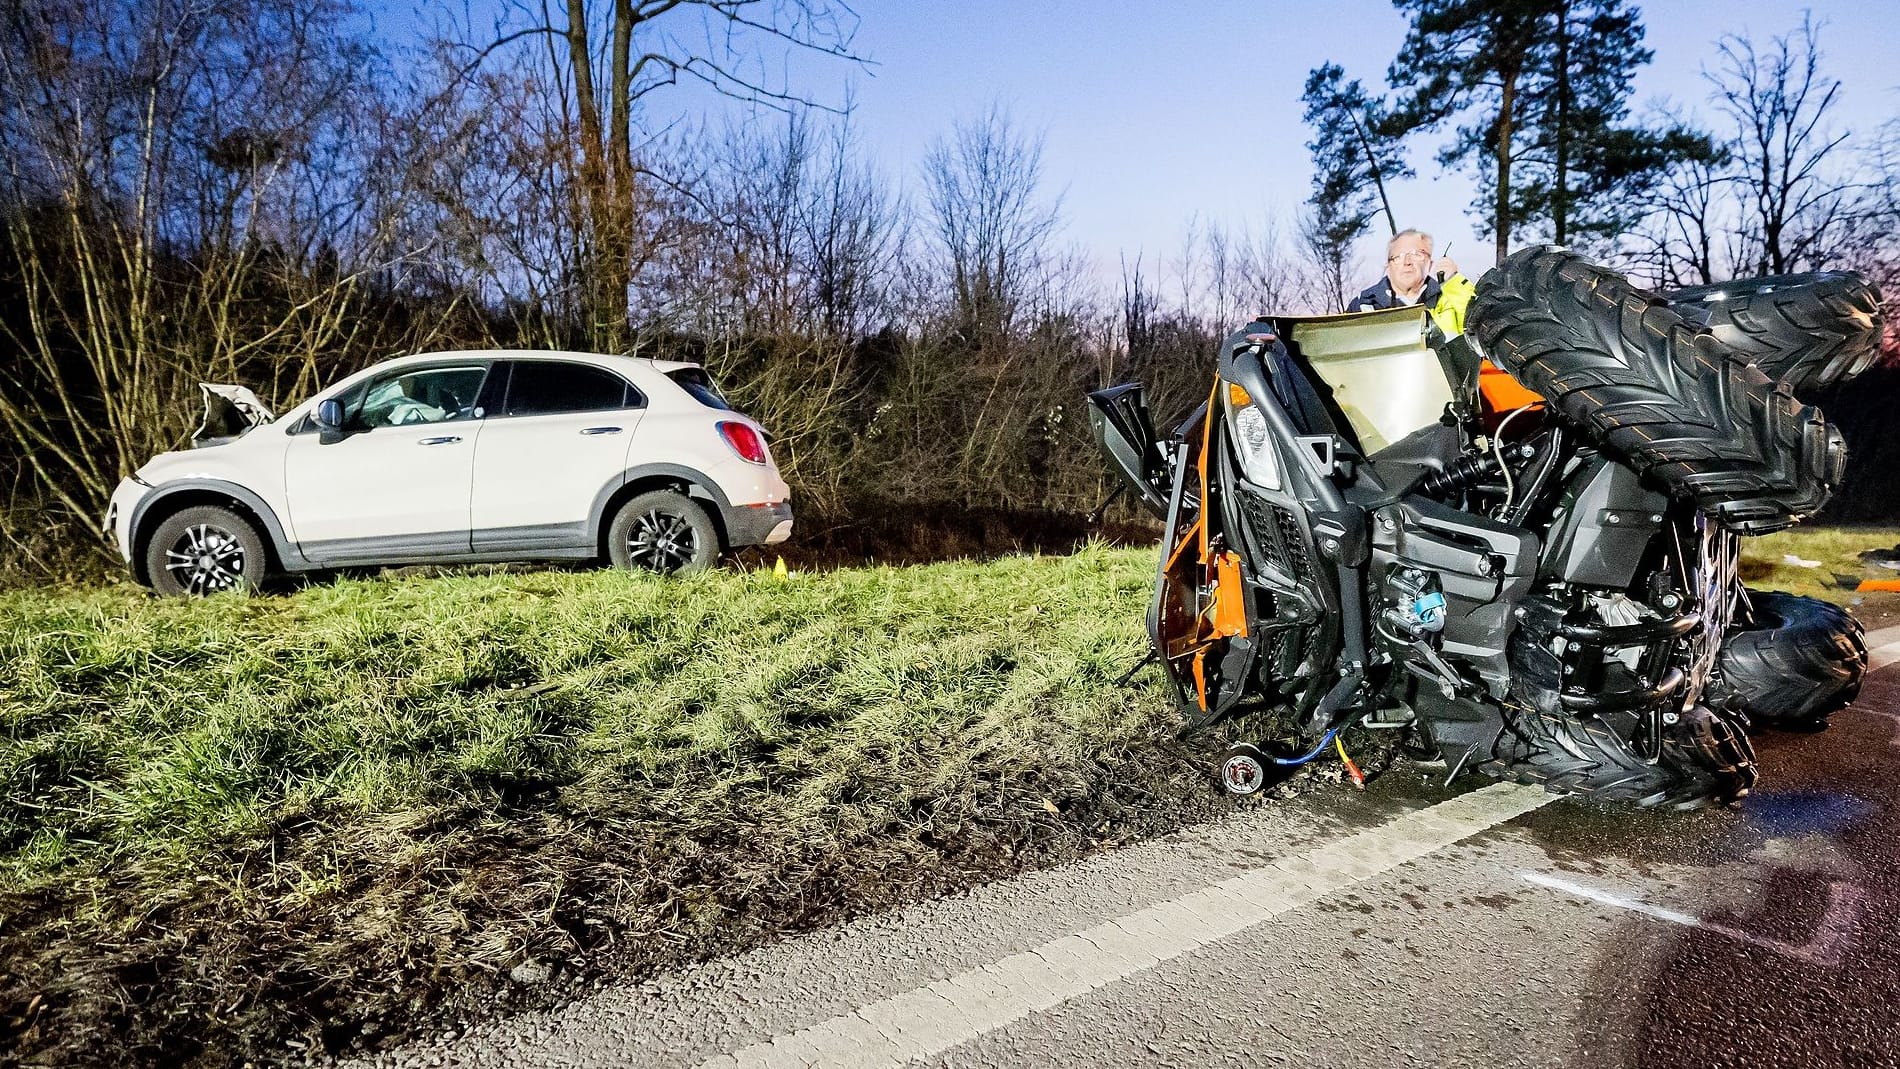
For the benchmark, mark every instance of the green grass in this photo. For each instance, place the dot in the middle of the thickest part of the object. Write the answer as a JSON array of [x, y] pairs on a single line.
[[231, 821], [1837, 550]]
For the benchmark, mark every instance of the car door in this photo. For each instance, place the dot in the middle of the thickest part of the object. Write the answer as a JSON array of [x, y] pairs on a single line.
[[560, 437], [395, 486]]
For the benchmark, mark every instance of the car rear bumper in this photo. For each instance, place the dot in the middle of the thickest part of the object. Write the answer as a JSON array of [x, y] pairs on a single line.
[[758, 525]]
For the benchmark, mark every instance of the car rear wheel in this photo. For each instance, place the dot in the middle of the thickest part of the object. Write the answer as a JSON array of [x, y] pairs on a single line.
[[663, 531], [205, 550]]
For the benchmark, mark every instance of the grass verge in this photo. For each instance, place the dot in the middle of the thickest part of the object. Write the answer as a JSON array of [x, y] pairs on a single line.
[[234, 825], [233, 828], [1825, 564]]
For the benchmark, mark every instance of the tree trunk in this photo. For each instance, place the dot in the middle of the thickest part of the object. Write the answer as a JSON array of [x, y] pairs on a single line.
[[1372, 163], [605, 167], [1560, 193], [1506, 129]]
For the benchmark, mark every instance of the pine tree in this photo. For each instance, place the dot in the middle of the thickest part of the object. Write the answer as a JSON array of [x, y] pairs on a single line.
[[1542, 88], [1355, 151]]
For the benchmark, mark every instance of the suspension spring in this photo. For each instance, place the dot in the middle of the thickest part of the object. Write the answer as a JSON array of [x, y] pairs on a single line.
[[1464, 473]]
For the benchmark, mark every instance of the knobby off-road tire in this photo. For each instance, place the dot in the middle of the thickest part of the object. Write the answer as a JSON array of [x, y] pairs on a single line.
[[1706, 760], [1799, 661], [1808, 331], [1657, 391]]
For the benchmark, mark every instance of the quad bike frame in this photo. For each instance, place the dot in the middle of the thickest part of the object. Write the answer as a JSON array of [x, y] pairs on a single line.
[[1352, 534]]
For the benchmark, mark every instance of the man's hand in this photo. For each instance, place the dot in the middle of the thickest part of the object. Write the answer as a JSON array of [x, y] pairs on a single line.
[[1447, 267]]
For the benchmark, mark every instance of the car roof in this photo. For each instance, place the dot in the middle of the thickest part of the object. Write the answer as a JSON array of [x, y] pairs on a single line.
[[607, 360]]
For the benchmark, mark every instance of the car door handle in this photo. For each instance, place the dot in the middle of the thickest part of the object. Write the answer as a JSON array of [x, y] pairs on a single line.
[[447, 439], [600, 430]]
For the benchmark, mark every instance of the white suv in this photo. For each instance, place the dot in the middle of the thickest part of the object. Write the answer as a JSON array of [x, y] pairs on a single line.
[[457, 457]]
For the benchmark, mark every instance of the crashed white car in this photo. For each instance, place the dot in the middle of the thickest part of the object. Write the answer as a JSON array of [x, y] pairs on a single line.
[[457, 457]]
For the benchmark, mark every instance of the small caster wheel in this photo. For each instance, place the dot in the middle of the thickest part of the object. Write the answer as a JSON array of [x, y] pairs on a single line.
[[1244, 771]]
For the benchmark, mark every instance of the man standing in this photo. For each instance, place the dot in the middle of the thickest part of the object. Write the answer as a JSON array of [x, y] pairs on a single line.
[[1409, 280]]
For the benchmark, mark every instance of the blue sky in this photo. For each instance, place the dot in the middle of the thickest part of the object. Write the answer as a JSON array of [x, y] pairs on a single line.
[[1155, 112]]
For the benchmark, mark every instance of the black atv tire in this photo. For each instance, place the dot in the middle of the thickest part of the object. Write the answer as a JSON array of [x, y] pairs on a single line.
[[1657, 391], [1706, 760], [1801, 660], [1808, 331]]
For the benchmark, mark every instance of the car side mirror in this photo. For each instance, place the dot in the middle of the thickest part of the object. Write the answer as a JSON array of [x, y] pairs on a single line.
[[330, 421]]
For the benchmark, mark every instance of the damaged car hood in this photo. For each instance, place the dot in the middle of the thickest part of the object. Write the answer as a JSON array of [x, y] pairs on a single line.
[[230, 411]]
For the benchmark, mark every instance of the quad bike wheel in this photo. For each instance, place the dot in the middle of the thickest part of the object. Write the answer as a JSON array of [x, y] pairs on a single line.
[[1705, 759], [1808, 331], [1800, 660], [1662, 393]]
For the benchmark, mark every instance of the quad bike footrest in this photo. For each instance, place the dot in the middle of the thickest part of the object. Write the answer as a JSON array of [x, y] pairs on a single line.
[[1645, 633]]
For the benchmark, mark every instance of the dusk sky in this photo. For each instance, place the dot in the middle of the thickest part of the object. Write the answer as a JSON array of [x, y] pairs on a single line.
[[1155, 113]]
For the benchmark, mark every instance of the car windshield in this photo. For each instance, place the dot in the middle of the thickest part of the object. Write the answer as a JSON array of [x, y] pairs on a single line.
[[695, 381]]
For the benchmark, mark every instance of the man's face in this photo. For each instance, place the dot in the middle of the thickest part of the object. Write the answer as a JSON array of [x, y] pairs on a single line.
[[1407, 263]]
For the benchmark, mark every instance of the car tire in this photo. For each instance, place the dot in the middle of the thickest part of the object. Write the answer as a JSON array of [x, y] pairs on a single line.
[[203, 550], [1808, 331], [1800, 660], [663, 531], [1656, 390]]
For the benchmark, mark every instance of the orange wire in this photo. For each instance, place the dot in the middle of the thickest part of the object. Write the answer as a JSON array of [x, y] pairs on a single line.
[[1358, 777]]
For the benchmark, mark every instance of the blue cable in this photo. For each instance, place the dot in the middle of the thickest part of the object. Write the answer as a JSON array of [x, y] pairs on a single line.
[[1317, 750]]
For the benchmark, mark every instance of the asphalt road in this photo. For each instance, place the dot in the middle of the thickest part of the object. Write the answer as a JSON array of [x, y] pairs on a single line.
[[1409, 925]]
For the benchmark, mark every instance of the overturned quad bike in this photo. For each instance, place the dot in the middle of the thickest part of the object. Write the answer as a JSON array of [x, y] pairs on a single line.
[[1536, 576]]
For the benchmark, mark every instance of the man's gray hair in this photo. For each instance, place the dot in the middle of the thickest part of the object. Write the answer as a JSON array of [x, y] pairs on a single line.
[[1408, 232]]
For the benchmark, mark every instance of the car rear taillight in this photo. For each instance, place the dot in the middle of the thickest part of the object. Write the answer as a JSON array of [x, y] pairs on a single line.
[[744, 440]]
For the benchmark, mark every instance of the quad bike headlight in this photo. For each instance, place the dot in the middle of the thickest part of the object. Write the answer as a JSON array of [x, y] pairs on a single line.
[[1252, 439]]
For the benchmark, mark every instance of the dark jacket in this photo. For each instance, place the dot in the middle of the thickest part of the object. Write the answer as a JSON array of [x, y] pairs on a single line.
[[1380, 295]]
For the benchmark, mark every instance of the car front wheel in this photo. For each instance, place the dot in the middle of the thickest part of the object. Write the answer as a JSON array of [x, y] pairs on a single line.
[[205, 550], [663, 531]]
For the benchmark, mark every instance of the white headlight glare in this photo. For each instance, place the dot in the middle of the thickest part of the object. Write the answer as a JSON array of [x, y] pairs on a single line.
[[1254, 442]]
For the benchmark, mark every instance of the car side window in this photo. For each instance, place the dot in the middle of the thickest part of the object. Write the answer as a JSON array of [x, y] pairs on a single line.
[[430, 395], [547, 387]]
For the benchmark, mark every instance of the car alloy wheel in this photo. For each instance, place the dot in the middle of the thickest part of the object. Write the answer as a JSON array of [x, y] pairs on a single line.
[[662, 541], [205, 559], [203, 550], [662, 531]]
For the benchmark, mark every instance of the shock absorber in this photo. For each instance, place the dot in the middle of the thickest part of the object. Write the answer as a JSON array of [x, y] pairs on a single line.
[[1463, 473]]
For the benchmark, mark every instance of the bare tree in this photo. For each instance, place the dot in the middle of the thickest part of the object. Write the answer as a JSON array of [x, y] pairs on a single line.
[[183, 201], [1798, 203], [992, 228], [602, 59], [1687, 220]]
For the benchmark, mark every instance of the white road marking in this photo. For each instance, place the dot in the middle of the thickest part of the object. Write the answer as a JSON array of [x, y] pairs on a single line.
[[934, 1018], [1895, 717], [1832, 935]]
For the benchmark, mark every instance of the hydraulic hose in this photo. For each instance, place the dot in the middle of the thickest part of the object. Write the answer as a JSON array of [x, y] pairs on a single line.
[[1553, 452], [1317, 750]]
